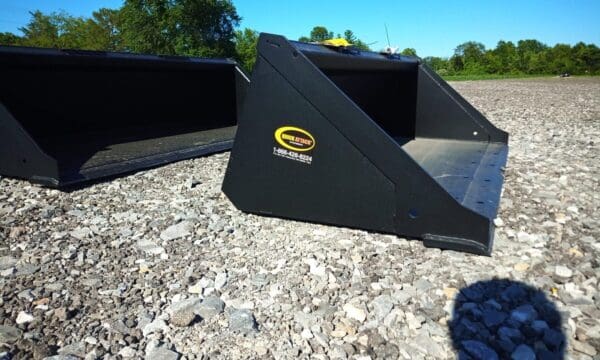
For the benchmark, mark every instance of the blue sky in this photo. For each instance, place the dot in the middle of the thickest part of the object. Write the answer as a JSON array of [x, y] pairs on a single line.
[[433, 27]]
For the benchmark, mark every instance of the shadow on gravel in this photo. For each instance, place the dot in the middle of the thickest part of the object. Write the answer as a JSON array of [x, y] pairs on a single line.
[[504, 319]]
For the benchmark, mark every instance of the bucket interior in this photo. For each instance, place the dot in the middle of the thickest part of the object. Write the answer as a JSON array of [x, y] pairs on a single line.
[[89, 114], [386, 90]]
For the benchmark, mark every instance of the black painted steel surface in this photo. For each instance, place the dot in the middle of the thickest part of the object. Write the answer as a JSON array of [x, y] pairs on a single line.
[[365, 140], [71, 116]]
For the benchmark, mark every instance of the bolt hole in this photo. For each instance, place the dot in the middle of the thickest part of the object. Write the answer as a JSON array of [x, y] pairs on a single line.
[[413, 213], [24, 161], [480, 202], [466, 177], [487, 180], [295, 53], [473, 162]]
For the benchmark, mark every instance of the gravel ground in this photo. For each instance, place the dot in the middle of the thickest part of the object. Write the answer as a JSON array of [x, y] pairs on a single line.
[[160, 265]]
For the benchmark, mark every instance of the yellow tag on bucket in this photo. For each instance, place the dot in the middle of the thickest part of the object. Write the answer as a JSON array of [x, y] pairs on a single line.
[[339, 42]]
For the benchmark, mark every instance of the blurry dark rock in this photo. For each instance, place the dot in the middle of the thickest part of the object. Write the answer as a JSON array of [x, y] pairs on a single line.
[[523, 352], [479, 350], [505, 319]]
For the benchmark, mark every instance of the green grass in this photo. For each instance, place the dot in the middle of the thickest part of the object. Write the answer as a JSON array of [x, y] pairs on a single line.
[[491, 77]]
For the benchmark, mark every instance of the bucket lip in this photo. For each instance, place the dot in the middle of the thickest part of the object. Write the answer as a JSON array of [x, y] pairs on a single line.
[[320, 48], [325, 57], [9, 50]]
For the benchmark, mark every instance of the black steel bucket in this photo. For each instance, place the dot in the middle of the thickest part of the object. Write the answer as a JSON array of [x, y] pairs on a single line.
[[365, 140], [70, 116]]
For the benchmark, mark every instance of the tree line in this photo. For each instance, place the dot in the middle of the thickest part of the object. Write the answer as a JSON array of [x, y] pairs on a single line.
[[526, 57], [209, 28], [203, 28]]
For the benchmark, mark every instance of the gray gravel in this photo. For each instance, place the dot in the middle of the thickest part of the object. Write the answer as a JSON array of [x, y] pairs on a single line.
[[149, 266]]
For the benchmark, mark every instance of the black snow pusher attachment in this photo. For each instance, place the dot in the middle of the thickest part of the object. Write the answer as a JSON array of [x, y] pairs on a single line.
[[70, 116], [365, 140]]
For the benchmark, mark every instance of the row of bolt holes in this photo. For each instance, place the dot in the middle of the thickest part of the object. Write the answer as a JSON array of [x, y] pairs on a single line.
[[413, 214], [486, 180]]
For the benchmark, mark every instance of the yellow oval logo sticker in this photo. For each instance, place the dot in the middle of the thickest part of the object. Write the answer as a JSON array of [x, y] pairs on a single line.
[[294, 138]]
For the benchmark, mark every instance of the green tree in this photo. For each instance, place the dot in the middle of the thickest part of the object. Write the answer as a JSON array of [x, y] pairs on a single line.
[[245, 45], [358, 43], [587, 58], [530, 53], [469, 57], [180, 27], [42, 30], [7, 38], [205, 27], [409, 52], [350, 37], [76, 33], [320, 33], [60, 30], [147, 26], [504, 59], [456, 64], [560, 60], [104, 30]]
